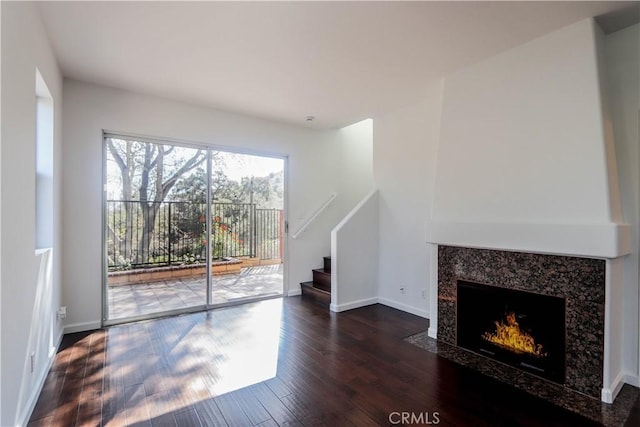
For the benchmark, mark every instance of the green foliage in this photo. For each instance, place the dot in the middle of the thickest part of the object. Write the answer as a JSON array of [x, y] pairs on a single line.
[[268, 191], [189, 258], [119, 264]]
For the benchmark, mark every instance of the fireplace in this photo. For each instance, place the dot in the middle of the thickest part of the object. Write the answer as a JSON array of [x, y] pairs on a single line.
[[522, 329], [577, 285]]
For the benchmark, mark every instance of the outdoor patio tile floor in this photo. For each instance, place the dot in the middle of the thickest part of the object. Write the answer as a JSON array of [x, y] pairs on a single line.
[[147, 298]]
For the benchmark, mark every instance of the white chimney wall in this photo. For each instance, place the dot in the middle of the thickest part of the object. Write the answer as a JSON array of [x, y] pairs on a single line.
[[523, 162]]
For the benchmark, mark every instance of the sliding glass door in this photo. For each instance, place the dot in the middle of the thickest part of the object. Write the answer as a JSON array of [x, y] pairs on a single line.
[[188, 227], [247, 227]]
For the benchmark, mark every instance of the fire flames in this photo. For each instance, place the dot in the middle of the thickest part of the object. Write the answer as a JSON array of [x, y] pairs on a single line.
[[510, 336]]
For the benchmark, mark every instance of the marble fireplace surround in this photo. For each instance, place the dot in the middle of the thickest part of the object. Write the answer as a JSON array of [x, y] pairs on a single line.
[[581, 281]]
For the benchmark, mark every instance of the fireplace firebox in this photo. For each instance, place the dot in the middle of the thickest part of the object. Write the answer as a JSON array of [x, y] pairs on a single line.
[[522, 329]]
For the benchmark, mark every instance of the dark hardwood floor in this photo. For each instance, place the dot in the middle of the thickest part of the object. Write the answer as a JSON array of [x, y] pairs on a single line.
[[276, 362]]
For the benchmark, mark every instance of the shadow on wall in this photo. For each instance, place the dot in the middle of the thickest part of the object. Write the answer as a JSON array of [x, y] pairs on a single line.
[[41, 347]]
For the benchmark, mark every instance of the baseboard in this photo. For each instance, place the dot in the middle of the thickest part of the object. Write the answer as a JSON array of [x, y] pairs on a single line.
[[354, 304], [608, 395], [33, 399], [294, 293], [433, 333], [404, 307], [81, 327], [384, 301]]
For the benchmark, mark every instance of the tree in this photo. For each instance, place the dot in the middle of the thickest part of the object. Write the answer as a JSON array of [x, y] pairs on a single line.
[[149, 171], [267, 191], [193, 188]]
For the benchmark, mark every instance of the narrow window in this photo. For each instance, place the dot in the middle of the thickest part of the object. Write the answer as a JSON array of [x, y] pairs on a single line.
[[44, 164]]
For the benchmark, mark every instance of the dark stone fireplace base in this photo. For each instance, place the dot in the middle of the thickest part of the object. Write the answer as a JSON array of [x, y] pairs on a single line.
[[581, 281]]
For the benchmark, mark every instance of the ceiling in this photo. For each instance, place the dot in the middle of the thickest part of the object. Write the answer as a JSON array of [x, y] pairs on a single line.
[[338, 61]]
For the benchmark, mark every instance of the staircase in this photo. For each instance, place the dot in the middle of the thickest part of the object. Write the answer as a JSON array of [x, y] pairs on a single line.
[[320, 288]]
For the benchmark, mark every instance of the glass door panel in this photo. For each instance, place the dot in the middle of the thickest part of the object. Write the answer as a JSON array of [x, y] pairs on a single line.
[[247, 227], [155, 228]]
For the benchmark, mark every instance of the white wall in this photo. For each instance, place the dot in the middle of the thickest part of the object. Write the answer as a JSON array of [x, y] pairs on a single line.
[[405, 151], [623, 83], [356, 159], [0, 217], [522, 145], [354, 257], [316, 169], [354, 240], [29, 299]]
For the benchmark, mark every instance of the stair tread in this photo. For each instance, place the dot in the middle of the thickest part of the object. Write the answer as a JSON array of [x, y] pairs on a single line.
[[320, 296], [321, 279], [312, 285], [319, 289]]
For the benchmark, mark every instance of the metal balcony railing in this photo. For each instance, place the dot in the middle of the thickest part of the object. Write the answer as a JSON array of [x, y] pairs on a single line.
[[169, 233]]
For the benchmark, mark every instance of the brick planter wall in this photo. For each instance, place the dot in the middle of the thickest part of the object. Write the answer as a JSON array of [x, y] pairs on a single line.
[[142, 275]]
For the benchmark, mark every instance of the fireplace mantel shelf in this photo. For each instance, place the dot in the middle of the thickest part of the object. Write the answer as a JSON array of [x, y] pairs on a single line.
[[590, 240]]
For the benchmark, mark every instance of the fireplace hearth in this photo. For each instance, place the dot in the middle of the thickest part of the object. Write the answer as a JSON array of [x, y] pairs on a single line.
[[522, 329]]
